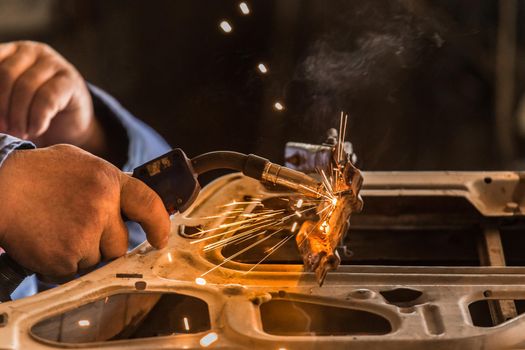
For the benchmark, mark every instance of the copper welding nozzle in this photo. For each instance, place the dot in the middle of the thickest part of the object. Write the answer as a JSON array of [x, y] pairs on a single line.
[[295, 180]]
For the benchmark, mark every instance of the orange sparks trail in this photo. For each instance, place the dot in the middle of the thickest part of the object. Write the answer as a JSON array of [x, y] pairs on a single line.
[[266, 223]]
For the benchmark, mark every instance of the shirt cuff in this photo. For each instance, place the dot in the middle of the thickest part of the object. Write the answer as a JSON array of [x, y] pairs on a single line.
[[141, 143], [9, 144]]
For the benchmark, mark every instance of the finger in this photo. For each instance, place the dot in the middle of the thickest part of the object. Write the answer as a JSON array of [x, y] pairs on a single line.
[[56, 279], [7, 49], [10, 69], [57, 269], [91, 259], [141, 204], [24, 89], [51, 98], [114, 240]]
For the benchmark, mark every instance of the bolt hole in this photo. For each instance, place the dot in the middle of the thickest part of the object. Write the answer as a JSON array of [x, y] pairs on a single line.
[[361, 294], [140, 285], [3, 319], [487, 180], [403, 297], [487, 294]]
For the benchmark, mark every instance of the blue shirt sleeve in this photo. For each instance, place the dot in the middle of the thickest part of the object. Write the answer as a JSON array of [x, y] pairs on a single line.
[[9, 143], [144, 143]]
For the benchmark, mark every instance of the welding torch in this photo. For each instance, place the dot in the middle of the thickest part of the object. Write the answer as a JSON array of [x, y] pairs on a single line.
[[173, 176]]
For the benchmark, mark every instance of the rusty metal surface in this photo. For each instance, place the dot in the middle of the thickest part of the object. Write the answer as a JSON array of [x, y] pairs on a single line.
[[437, 317]]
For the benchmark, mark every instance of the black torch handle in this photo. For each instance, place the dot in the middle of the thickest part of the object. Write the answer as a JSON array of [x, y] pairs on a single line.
[[11, 275]]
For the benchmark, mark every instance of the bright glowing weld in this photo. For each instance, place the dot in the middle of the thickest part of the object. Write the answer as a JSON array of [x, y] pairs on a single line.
[[200, 281], [84, 323]]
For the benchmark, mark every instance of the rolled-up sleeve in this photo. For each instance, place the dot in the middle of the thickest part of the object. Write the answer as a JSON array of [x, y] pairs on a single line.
[[144, 143], [9, 143]]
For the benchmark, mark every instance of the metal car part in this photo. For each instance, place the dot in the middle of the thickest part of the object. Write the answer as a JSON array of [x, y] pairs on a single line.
[[388, 306]]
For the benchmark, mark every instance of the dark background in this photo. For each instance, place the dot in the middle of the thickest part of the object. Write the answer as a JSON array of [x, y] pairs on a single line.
[[428, 85]]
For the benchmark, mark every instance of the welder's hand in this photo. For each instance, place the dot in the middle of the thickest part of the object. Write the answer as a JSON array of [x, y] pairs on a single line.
[[60, 210], [43, 98]]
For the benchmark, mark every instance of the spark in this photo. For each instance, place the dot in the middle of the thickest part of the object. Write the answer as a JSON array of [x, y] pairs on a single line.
[[312, 230], [237, 223], [270, 252], [326, 183], [339, 139], [200, 281], [84, 323], [225, 26], [261, 222], [231, 231], [239, 253], [208, 339], [266, 223], [278, 106], [323, 210], [262, 68], [284, 219], [186, 323], [244, 8], [344, 134], [260, 233], [255, 201], [253, 233], [315, 192], [235, 239], [325, 227]]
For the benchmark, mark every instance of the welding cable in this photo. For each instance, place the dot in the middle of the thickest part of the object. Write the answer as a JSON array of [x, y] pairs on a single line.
[[258, 168], [249, 164]]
